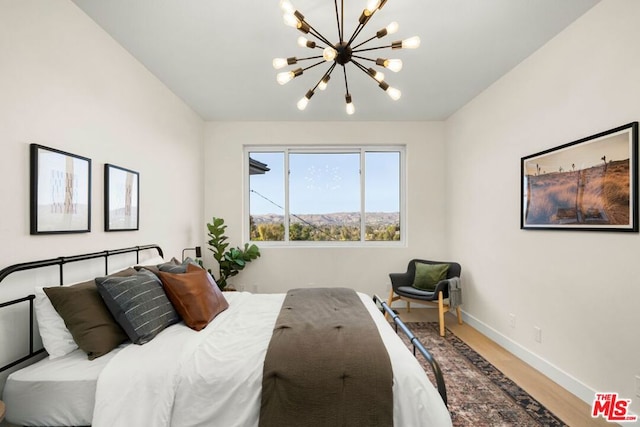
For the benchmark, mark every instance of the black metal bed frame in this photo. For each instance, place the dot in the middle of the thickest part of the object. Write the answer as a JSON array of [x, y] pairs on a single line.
[[417, 345], [60, 261]]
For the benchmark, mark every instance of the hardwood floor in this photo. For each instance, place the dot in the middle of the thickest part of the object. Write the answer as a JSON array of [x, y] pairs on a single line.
[[569, 408]]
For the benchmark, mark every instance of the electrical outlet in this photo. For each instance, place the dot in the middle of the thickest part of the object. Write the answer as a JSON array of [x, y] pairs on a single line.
[[638, 385], [537, 334], [512, 320]]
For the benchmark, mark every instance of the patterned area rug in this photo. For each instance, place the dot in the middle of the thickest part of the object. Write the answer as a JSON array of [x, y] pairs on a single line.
[[478, 394]]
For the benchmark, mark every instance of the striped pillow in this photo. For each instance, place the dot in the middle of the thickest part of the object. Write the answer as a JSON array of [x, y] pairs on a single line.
[[139, 304]]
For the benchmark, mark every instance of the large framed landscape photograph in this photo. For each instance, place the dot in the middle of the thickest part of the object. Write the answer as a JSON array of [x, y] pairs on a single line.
[[589, 184], [60, 191]]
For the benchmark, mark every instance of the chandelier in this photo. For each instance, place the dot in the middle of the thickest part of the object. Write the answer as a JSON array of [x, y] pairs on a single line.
[[343, 52]]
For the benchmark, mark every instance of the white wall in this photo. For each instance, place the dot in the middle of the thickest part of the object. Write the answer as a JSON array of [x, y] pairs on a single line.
[[581, 288], [365, 269], [65, 83]]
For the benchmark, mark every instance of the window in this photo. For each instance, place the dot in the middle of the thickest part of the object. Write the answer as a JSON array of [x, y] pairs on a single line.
[[325, 194]]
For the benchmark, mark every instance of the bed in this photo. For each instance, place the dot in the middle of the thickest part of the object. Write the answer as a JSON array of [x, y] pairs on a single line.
[[183, 377]]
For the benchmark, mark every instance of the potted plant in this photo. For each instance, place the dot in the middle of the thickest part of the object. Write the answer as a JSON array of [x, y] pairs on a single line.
[[232, 261]]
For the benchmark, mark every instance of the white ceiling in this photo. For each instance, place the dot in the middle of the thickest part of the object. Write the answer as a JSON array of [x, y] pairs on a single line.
[[216, 55]]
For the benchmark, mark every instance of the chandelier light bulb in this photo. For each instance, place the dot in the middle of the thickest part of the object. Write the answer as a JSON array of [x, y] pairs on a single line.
[[305, 42], [279, 63], [349, 107], [302, 104], [285, 77], [394, 65], [323, 83], [290, 20], [392, 28], [377, 75], [287, 7], [393, 93], [329, 54], [372, 6], [389, 29], [411, 43]]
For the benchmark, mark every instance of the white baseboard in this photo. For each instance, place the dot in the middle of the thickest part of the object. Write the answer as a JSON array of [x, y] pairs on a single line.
[[565, 380]]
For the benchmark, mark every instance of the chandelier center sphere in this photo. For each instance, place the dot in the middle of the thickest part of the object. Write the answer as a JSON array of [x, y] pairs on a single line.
[[344, 53]]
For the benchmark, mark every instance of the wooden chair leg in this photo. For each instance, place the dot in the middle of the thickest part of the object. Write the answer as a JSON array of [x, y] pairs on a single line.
[[389, 302], [441, 313], [459, 315], [408, 307]]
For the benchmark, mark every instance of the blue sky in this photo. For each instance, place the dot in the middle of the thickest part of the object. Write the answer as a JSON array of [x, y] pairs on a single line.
[[327, 183]]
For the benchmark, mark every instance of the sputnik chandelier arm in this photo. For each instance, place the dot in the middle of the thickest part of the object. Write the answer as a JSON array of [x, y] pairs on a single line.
[[341, 53]]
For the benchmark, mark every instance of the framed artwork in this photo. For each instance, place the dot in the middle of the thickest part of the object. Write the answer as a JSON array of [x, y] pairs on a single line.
[[60, 199], [121, 199], [589, 184]]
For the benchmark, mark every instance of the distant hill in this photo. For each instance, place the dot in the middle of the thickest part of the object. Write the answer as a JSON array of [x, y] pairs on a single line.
[[339, 218]]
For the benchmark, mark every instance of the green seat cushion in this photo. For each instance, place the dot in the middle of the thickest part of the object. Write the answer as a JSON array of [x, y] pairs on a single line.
[[428, 275]]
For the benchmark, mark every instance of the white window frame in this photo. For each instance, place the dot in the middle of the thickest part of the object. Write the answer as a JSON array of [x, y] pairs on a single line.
[[362, 149]]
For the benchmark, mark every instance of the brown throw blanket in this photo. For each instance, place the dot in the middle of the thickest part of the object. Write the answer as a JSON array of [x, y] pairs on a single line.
[[326, 364]]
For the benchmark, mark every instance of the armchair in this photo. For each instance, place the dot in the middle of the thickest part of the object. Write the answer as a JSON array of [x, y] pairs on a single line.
[[402, 289]]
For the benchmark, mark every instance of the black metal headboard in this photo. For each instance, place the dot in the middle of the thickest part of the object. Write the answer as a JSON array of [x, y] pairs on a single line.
[[60, 261]]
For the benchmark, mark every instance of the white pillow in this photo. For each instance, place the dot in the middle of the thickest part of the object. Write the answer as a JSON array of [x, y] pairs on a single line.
[[155, 260], [56, 338]]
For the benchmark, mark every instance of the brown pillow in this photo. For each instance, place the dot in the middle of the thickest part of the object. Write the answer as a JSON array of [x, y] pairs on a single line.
[[195, 296], [87, 317]]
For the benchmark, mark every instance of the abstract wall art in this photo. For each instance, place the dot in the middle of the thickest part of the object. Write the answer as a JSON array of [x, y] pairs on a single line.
[[60, 200], [121, 199]]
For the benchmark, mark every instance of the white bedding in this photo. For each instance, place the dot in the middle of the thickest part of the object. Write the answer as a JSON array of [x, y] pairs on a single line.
[[218, 376], [59, 392]]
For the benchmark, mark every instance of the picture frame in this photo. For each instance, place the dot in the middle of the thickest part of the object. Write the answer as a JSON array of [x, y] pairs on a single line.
[[590, 184], [121, 199], [60, 191]]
